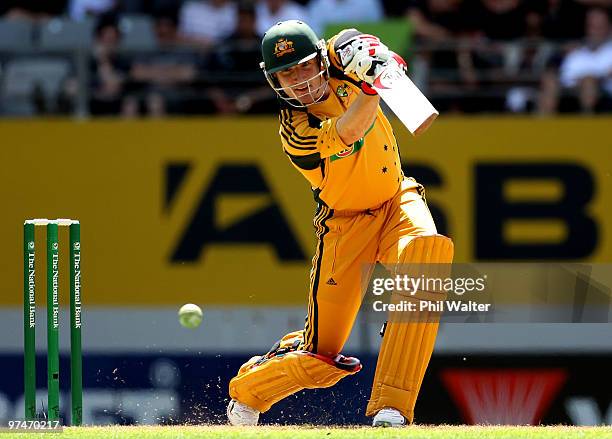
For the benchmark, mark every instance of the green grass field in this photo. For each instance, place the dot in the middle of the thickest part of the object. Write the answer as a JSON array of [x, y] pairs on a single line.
[[308, 432]]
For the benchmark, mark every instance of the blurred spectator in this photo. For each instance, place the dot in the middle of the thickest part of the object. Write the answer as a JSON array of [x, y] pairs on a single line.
[[205, 22], [32, 9], [532, 64], [437, 20], [528, 61], [157, 78], [323, 12], [239, 56], [165, 23], [81, 9], [241, 51], [488, 57], [498, 19], [270, 12], [492, 24], [438, 26], [588, 69], [562, 20], [109, 70]]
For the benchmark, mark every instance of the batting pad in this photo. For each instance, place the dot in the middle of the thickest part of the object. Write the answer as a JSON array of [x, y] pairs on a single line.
[[263, 381], [407, 345]]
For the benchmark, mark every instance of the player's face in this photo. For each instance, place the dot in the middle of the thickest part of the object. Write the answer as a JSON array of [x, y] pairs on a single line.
[[304, 82]]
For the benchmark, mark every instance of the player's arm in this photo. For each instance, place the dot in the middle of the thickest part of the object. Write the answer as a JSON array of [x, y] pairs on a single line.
[[354, 123], [358, 56]]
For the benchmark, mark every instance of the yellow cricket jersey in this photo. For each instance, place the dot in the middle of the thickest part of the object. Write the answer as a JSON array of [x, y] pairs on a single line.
[[344, 177]]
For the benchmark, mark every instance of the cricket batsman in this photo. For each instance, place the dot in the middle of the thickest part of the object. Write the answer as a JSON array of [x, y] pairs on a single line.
[[335, 134]]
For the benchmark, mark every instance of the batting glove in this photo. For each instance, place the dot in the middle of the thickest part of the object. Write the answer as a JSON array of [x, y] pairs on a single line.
[[364, 45], [367, 67], [376, 68]]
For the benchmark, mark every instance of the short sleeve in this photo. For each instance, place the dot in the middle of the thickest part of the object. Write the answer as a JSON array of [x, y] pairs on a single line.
[[307, 140]]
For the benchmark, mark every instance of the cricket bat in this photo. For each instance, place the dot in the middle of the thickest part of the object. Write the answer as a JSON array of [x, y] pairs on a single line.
[[405, 99]]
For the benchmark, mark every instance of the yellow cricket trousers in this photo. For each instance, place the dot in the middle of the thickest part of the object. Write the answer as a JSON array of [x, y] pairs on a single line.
[[348, 243]]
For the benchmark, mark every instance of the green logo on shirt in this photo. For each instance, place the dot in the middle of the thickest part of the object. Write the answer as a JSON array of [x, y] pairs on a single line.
[[342, 91], [348, 151], [353, 148]]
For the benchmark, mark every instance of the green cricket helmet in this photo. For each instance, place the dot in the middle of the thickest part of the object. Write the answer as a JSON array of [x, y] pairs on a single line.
[[289, 43]]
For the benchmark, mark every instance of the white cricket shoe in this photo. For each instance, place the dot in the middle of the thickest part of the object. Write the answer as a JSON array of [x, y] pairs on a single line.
[[241, 414], [389, 417]]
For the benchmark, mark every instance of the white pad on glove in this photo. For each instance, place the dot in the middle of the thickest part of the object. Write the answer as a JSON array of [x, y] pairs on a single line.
[[361, 53], [361, 42], [363, 65], [366, 67]]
